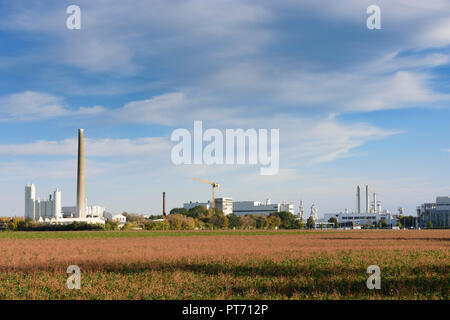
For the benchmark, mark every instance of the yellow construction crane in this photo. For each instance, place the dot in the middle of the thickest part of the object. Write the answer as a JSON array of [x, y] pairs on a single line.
[[214, 185]]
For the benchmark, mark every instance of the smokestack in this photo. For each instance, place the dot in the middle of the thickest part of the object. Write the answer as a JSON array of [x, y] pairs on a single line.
[[81, 206], [367, 199], [164, 204], [358, 199], [375, 202]]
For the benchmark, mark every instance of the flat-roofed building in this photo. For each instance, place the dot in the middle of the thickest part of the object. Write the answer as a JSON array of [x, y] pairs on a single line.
[[436, 215], [361, 219], [241, 208]]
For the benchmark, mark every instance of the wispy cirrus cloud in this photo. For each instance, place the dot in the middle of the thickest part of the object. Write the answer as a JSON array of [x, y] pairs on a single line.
[[94, 148], [36, 106]]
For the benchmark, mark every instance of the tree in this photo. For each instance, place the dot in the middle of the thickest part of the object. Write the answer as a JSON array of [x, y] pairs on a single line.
[[407, 221], [234, 222], [300, 224], [287, 219], [198, 212], [273, 222], [218, 220], [261, 222], [175, 221], [188, 223], [247, 222], [182, 211], [154, 225], [310, 223], [111, 225], [334, 220], [126, 226], [13, 224], [199, 224]]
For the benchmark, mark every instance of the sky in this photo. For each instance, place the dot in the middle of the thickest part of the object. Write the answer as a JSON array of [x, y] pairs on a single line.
[[353, 106]]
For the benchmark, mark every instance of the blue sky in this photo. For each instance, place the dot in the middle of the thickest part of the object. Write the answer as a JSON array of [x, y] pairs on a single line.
[[353, 106]]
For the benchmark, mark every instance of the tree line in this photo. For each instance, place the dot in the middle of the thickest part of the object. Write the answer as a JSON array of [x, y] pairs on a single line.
[[200, 218]]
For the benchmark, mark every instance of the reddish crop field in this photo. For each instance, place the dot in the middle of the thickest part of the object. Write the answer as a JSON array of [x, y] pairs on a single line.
[[414, 264]]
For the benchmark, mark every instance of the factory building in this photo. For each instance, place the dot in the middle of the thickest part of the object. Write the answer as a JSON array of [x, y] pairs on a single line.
[[223, 204], [91, 212], [437, 213], [120, 218], [50, 210], [241, 208], [361, 219], [373, 214], [37, 209]]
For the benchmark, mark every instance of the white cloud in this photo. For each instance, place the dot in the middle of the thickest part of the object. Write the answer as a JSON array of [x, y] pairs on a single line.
[[55, 169], [392, 11], [365, 90], [96, 148], [99, 55], [317, 140], [29, 105], [162, 109], [393, 62], [403, 89], [35, 106], [116, 34], [436, 34]]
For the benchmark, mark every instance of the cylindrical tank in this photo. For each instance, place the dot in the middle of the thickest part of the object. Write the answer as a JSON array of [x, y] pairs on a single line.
[[57, 204], [37, 212], [375, 202]]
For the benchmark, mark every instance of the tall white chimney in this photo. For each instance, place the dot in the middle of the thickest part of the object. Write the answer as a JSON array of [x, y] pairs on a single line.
[[367, 199], [375, 202], [358, 199]]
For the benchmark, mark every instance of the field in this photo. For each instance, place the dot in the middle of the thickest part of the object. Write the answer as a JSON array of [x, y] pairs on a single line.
[[415, 264]]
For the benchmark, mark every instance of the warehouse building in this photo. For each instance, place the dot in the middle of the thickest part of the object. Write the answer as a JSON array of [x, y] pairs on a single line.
[[241, 208], [436, 215], [361, 219]]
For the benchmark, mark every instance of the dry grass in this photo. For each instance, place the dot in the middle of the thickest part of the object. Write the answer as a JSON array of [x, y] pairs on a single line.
[[414, 265]]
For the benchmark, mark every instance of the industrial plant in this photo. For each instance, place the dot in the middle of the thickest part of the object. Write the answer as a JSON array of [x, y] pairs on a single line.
[[51, 211], [373, 213], [373, 210]]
